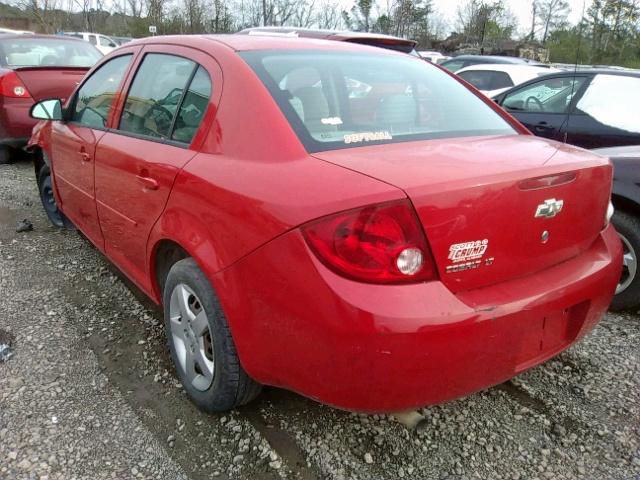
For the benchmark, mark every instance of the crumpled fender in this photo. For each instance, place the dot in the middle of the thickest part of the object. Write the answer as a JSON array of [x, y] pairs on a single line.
[[40, 136]]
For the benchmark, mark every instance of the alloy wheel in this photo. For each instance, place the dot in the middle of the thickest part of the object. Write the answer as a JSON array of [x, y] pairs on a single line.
[[191, 337], [629, 265]]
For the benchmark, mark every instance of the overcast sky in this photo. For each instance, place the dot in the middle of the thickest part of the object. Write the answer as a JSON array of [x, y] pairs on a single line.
[[520, 8]]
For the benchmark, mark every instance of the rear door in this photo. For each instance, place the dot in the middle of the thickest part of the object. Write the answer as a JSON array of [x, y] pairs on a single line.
[[73, 143], [543, 106], [138, 159]]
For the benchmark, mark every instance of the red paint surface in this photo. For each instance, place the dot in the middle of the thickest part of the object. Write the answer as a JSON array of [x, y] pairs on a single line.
[[236, 198]]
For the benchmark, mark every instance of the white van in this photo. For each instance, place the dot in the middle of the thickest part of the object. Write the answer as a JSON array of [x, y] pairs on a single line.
[[101, 42]]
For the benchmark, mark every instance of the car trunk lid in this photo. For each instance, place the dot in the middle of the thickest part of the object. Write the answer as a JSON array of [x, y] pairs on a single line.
[[50, 82], [494, 208]]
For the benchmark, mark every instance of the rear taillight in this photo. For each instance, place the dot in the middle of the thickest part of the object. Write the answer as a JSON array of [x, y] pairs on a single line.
[[377, 244], [12, 86]]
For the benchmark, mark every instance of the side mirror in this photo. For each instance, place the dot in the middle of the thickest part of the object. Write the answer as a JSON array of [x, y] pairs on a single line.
[[47, 110]]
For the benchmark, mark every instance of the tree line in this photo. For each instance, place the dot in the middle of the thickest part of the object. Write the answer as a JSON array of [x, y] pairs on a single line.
[[608, 32]]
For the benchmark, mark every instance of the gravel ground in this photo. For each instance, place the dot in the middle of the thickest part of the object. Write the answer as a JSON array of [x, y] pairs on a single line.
[[90, 393]]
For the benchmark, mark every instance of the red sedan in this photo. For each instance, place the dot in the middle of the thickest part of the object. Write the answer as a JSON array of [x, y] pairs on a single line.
[[347, 222], [32, 68]]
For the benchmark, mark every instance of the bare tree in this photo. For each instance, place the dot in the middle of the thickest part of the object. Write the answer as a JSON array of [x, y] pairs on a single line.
[[328, 16], [552, 14]]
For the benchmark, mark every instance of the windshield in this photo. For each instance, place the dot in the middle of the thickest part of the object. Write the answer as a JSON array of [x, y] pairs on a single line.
[[47, 52], [338, 100]]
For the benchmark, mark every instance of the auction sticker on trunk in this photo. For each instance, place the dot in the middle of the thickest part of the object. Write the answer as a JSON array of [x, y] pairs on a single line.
[[467, 255], [464, 252]]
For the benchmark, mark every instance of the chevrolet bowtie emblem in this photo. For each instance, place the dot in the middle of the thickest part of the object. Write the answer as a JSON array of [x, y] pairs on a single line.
[[550, 208]]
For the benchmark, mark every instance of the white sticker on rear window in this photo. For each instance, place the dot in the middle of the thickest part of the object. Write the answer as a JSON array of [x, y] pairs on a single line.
[[367, 137], [331, 121]]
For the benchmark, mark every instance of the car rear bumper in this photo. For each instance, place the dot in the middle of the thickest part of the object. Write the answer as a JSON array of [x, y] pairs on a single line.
[[15, 122], [382, 348]]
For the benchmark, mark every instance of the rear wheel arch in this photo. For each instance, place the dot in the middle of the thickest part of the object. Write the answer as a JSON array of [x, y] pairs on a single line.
[[164, 255]]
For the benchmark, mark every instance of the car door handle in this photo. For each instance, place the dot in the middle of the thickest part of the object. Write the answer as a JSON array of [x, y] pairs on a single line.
[[148, 182], [543, 127]]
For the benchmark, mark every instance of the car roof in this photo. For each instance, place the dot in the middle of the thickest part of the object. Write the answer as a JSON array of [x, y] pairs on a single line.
[[36, 35], [344, 35], [595, 71], [630, 151], [490, 58], [507, 68], [259, 42]]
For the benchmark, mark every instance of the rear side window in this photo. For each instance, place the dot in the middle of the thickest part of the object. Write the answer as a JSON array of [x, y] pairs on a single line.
[[480, 79], [155, 94], [92, 39], [193, 107], [341, 100], [487, 79], [500, 80], [95, 98], [613, 100]]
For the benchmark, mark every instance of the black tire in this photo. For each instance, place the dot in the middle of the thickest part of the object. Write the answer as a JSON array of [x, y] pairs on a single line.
[[5, 155], [231, 386], [628, 226], [45, 188]]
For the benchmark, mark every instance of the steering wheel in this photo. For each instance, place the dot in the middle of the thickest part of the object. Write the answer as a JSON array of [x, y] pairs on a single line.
[[535, 100], [95, 111], [163, 116]]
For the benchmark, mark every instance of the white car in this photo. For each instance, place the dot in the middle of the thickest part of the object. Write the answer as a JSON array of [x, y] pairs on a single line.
[[493, 79], [9, 31], [101, 42], [432, 56]]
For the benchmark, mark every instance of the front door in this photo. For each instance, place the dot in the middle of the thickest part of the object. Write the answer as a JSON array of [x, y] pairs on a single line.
[[542, 106], [74, 142], [138, 160]]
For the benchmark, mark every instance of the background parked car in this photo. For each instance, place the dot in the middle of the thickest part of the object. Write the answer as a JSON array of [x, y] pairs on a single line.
[[121, 40], [493, 79], [32, 68], [433, 57], [587, 108], [101, 42], [461, 61], [373, 39], [626, 199], [9, 31]]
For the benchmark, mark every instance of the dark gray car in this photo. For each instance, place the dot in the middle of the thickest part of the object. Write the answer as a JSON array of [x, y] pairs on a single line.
[[626, 200]]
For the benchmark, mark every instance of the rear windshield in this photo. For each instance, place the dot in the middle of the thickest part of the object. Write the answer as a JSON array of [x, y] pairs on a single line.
[[340, 100], [47, 52]]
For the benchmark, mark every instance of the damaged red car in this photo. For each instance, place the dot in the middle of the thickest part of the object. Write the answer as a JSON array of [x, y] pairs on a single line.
[[347, 222]]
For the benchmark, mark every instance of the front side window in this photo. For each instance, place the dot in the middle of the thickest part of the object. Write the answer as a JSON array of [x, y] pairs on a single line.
[[552, 95], [337, 100], [155, 95], [613, 100], [95, 98]]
